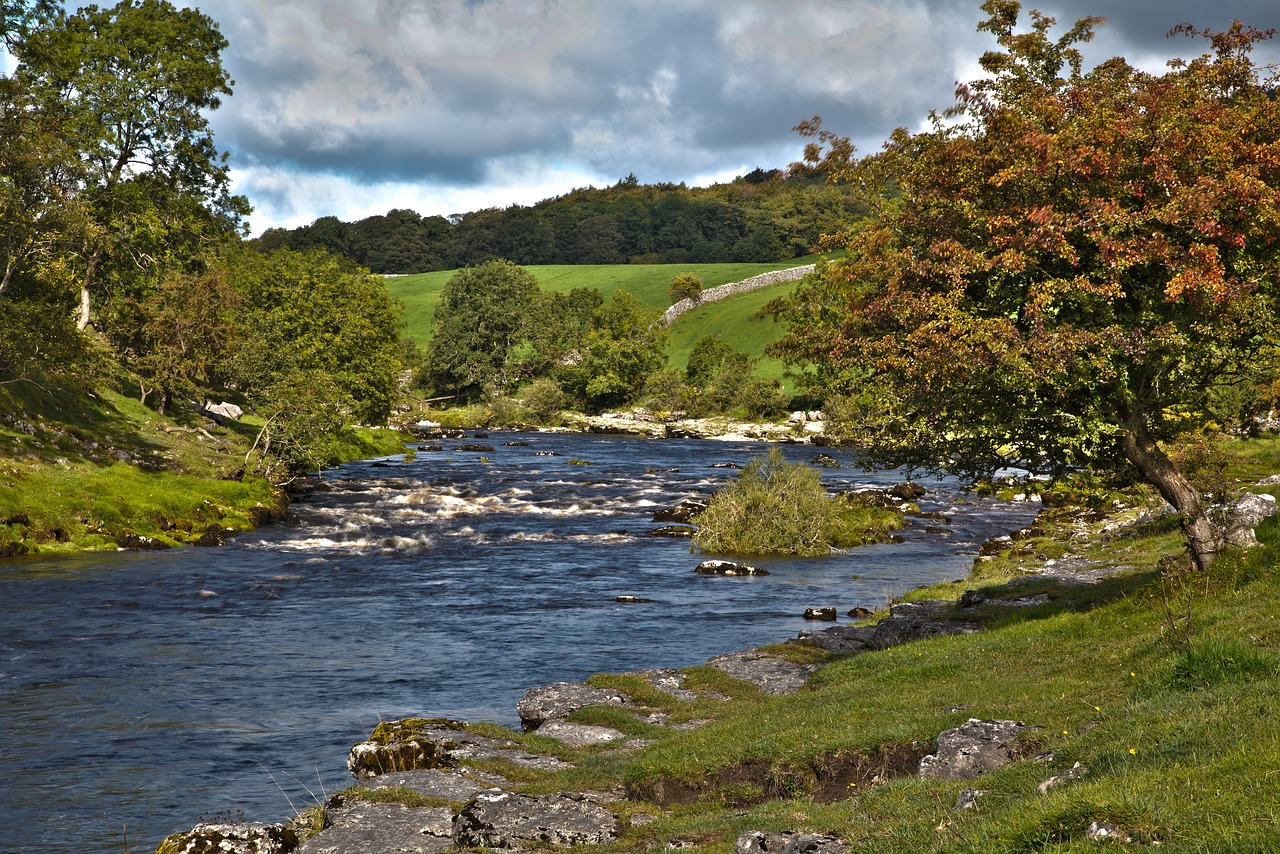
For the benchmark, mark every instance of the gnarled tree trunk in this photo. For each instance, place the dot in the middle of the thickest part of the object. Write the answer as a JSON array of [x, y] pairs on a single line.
[[1158, 470]]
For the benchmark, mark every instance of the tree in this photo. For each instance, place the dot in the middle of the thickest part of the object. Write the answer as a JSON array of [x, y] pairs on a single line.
[[313, 315], [183, 333], [39, 212], [133, 85], [19, 17], [1077, 259], [622, 350], [482, 316]]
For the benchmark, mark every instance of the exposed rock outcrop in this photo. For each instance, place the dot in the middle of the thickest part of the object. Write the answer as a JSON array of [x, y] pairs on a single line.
[[360, 827], [507, 820], [769, 674], [558, 700], [759, 842], [973, 749]]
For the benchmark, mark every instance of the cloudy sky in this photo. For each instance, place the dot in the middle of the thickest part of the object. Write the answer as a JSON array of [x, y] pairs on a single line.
[[354, 107]]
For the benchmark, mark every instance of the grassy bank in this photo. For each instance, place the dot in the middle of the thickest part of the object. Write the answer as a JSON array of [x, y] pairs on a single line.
[[1160, 683], [84, 471]]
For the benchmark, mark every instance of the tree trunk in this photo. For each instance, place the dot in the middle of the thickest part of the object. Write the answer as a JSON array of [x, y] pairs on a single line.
[[90, 270], [1158, 470]]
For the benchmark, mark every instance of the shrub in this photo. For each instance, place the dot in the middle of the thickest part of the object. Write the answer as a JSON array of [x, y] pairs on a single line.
[[545, 401], [776, 507], [684, 286]]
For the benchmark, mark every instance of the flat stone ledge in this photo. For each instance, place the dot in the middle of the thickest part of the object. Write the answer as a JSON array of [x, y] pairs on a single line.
[[579, 735], [771, 675], [443, 785], [365, 828]]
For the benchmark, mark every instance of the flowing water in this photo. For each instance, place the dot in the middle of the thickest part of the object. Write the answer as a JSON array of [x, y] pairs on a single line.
[[151, 690]]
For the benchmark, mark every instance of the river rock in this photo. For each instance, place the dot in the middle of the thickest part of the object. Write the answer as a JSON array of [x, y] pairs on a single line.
[[759, 842], [769, 674], [727, 567], [972, 749], [560, 699], [475, 448], [678, 531], [509, 820], [403, 745], [685, 511], [367, 828], [239, 838], [132, 542], [632, 600], [840, 639], [825, 460], [430, 430], [895, 631], [824, 614], [907, 491]]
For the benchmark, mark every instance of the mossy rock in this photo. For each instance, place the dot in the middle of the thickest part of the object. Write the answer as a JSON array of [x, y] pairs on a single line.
[[246, 838], [403, 745]]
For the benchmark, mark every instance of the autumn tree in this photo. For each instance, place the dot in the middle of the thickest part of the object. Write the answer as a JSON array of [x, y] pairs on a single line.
[[1076, 260]]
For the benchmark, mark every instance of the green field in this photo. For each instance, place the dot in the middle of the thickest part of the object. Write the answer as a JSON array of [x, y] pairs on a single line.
[[733, 319]]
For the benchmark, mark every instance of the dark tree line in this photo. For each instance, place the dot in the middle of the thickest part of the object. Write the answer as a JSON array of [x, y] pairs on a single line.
[[763, 216]]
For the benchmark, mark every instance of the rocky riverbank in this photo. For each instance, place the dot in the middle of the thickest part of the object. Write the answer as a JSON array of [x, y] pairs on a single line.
[[436, 785], [644, 759]]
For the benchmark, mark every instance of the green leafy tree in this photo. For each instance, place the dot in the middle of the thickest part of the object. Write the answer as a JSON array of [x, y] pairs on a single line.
[[619, 354], [313, 314], [19, 17], [132, 86], [1076, 260], [481, 318], [183, 334], [40, 215], [555, 328]]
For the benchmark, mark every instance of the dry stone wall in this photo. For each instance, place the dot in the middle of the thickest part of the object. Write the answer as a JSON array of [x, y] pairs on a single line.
[[720, 292]]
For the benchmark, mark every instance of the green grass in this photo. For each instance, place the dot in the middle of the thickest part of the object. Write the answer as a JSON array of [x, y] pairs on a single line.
[[736, 321], [647, 282]]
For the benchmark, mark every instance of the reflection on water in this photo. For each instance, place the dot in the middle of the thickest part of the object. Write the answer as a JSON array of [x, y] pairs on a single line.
[[164, 687]]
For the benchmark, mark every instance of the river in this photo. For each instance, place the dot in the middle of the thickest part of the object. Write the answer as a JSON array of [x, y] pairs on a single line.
[[143, 692]]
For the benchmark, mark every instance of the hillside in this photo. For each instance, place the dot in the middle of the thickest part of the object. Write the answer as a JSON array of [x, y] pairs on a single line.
[[733, 319]]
